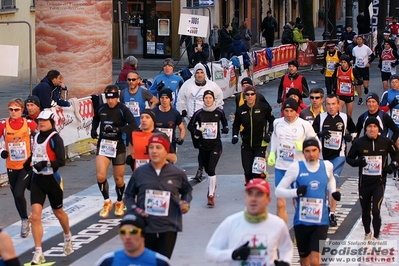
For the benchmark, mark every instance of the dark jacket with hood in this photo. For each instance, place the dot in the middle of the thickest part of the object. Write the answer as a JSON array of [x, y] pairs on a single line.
[[43, 91], [287, 37]]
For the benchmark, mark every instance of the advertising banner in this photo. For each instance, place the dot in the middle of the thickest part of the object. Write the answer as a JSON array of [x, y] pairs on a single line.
[[75, 38]]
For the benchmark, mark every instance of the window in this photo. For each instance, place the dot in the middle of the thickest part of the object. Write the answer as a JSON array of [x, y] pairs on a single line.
[[7, 4]]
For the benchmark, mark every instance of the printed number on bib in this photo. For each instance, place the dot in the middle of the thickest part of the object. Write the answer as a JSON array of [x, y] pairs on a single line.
[[17, 151], [168, 132], [374, 165], [134, 107], [210, 131], [334, 142], [157, 202], [310, 210], [259, 165], [108, 148], [287, 153]]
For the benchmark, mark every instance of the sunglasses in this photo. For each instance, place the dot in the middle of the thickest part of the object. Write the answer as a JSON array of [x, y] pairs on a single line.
[[250, 94], [14, 109], [131, 79], [131, 231], [315, 97]]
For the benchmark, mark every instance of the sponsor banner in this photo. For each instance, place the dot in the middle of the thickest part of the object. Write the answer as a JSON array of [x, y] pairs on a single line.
[[281, 56], [373, 252]]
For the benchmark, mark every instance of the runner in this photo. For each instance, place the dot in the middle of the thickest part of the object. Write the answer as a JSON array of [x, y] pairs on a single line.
[[48, 154], [253, 117], [132, 232], [162, 191], [208, 120], [312, 178], [289, 133], [335, 129], [17, 132], [292, 80], [253, 236], [331, 59], [370, 154], [113, 118]]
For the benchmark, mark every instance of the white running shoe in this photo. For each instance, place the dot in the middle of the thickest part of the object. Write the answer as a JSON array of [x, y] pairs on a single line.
[[68, 247], [38, 258]]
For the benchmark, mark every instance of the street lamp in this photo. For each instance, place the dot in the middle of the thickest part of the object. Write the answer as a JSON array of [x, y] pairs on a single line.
[[326, 33]]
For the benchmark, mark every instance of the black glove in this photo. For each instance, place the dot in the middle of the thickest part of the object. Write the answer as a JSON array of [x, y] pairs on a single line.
[[40, 165], [325, 134], [111, 129], [184, 113], [94, 134], [225, 130], [197, 134], [301, 191], [322, 71], [179, 141], [242, 252], [393, 64], [361, 162], [234, 140], [348, 137], [279, 100], [393, 103], [267, 138], [160, 86], [336, 195], [390, 168], [281, 263], [4, 154]]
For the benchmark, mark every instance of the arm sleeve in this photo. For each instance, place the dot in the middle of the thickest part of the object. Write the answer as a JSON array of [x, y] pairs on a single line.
[[185, 189], [393, 152], [392, 126], [130, 121], [154, 85], [191, 126], [181, 98], [58, 148], [384, 102], [274, 138], [236, 123], [284, 190], [96, 120], [316, 124], [353, 153], [218, 97], [130, 193], [223, 119], [285, 247], [280, 89], [351, 126], [217, 249], [305, 88], [332, 186], [359, 125], [270, 119]]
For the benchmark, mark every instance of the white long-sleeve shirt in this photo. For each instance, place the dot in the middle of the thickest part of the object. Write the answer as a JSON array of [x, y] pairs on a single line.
[[286, 138], [265, 238]]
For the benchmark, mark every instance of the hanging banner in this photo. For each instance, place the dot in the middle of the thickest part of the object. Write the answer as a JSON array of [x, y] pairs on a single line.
[[193, 25], [75, 38], [9, 60]]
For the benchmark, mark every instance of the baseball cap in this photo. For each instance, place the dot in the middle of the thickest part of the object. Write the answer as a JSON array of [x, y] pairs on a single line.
[[250, 88], [246, 80], [259, 183], [290, 103], [133, 218], [46, 115], [33, 99]]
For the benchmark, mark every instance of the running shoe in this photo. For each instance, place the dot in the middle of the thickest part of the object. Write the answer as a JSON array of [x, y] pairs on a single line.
[[25, 228], [360, 102], [119, 208], [108, 206], [333, 220], [368, 236], [68, 247], [38, 258], [366, 90], [198, 175]]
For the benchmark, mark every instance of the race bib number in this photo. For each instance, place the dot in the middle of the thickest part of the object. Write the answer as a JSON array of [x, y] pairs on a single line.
[[140, 162], [345, 87], [374, 165], [310, 210], [361, 62], [386, 66], [168, 132], [287, 153], [134, 107], [395, 115], [108, 148], [331, 66], [210, 130], [17, 151], [334, 142], [259, 165], [157, 202]]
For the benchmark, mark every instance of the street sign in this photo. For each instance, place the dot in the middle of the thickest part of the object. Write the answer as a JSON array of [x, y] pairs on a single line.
[[206, 2], [193, 25]]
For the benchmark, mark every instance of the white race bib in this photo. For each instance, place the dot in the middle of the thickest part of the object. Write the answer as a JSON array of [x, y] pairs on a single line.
[[134, 107], [210, 131], [168, 132], [374, 165], [17, 151], [108, 148], [334, 142], [395, 115], [345, 87], [386, 66], [259, 165], [311, 210], [140, 162], [286, 153], [157, 202]]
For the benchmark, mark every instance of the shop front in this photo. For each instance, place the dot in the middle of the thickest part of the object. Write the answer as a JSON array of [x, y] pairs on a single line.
[[149, 30]]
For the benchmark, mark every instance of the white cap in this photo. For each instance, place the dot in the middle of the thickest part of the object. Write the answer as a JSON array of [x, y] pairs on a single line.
[[46, 115]]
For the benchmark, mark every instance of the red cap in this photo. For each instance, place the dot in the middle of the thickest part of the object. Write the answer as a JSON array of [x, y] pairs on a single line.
[[260, 184]]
